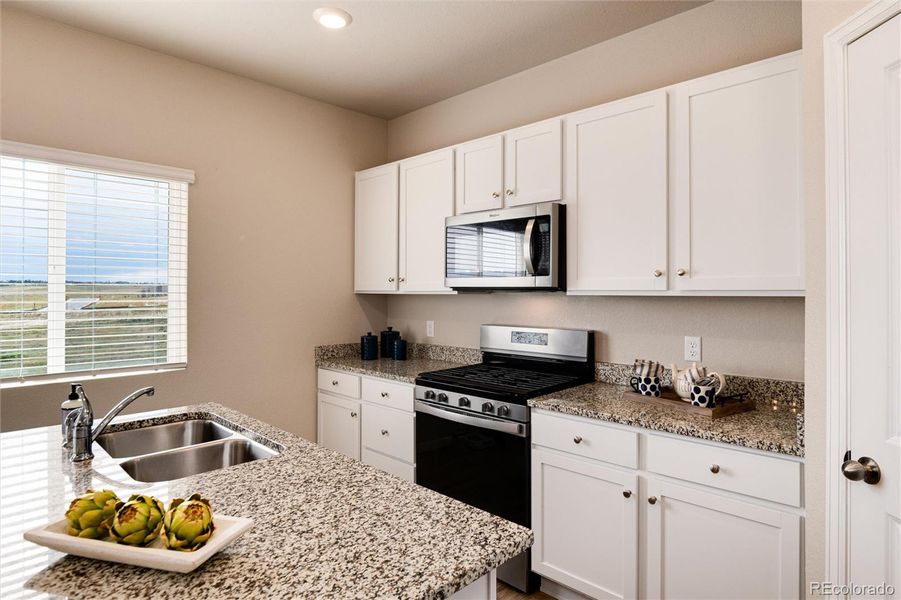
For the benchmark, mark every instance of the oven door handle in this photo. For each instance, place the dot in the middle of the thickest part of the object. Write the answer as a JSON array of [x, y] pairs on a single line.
[[527, 247], [513, 428]]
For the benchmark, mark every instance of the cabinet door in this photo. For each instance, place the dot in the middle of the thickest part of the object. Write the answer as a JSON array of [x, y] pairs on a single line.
[[339, 425], [375, 230], [533, 164], [616, 195], [702, 545], [737, 201], [585, 519], [426, 198], [479, 175]]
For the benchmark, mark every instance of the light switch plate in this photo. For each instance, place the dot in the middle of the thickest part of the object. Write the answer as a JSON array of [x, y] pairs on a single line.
[[693, 349], [430, 328]]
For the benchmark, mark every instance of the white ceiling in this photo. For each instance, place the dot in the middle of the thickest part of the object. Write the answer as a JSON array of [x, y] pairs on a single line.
[[394, 58]]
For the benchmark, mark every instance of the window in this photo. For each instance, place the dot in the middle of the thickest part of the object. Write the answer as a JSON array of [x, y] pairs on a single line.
[[93, 264]]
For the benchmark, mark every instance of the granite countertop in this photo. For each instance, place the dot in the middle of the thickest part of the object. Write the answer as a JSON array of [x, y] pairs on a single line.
[[325, 526], [398, 370], [761, 429]]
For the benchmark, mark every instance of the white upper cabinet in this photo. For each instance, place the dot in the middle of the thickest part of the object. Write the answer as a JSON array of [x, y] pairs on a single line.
[[426, 198], [533, 162], [479, 175], [616, 196], [375, 230], [736, 188]]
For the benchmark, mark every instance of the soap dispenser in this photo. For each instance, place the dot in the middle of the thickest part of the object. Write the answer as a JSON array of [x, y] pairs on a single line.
[[72, 403]]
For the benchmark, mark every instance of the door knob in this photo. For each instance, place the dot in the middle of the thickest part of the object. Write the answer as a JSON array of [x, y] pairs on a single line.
[[864, 468]]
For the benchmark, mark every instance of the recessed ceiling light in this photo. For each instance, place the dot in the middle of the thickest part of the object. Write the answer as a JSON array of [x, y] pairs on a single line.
[[332, 18]]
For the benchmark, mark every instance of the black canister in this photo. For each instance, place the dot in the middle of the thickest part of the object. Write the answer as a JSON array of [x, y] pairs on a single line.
[[369, 346], [399, 352], [386, 342]]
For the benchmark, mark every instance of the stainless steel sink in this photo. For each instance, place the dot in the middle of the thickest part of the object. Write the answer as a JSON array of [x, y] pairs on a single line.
[[157, 438], [174, 464]]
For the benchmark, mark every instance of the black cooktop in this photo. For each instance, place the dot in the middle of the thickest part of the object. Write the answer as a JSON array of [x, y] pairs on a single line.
[[498, 382]]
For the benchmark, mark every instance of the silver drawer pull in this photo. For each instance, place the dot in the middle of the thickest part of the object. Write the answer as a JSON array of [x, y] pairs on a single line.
[[334, 382], [577, 439], [385, 394], [714, 469], [384, 432]]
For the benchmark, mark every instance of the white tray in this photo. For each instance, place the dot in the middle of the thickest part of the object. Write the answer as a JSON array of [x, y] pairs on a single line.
[[154, 556]]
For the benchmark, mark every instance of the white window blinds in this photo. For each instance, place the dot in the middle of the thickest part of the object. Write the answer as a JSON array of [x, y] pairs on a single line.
[[93, 264]]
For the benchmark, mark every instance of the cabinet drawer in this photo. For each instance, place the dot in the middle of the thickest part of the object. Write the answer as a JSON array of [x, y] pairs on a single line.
[[388, 431], [585, 438], [336, 382], [763, 477], [388, 393], [389, 465]]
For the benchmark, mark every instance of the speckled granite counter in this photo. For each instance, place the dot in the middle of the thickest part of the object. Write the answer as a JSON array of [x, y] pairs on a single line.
[[326, 526], [398, 370], [762, 429]]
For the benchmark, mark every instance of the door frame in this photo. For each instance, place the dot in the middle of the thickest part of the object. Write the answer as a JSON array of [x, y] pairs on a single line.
[[835, 53]]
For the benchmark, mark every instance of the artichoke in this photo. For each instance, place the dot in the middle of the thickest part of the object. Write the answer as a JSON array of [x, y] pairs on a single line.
[[90, 515], [188, 524], [138, 521]]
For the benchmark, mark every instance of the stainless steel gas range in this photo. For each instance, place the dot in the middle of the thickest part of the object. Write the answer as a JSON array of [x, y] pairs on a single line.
[[472, 422]]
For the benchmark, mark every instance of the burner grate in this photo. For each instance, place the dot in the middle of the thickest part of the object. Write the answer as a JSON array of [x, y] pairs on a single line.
[[499, 379]]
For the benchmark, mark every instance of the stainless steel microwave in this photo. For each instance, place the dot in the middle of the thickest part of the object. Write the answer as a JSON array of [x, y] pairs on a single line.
[[519, 248]]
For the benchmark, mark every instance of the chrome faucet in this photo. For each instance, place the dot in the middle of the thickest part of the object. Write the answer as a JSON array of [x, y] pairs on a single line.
[[78, 426]]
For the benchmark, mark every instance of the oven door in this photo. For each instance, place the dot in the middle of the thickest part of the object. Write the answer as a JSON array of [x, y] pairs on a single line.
[[483, 462], [509, 248]]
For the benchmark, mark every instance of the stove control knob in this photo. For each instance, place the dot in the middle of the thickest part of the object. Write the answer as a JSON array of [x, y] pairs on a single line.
[[464, 401], [487, 407], [442, 397], [429, 395], [503, 411]]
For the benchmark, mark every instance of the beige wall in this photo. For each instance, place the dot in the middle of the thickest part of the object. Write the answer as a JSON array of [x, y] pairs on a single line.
[[271, 214], [760, 337], [819, 17]]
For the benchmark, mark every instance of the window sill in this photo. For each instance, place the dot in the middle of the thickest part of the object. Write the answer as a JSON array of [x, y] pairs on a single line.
[[86, 376]]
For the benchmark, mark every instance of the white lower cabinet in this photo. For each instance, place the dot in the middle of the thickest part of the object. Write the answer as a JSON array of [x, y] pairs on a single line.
[[704, 545], [339, 424], [601, 528], [585, 518]]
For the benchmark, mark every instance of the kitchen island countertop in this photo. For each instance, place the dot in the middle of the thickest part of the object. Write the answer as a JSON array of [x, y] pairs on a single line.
[[325, 526]]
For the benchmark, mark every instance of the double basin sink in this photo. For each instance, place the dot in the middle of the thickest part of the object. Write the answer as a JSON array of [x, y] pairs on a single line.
[[175, 450]]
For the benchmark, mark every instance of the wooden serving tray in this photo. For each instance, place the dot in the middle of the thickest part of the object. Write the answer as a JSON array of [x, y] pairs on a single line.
[[670, 399]]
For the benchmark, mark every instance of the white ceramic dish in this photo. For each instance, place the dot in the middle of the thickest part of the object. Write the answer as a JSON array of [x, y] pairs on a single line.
[[154, 556]]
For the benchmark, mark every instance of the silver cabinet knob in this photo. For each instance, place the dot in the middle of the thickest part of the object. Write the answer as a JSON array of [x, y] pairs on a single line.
[[401, 279], [658, 273], [334, 382], [627, 493], [495, 194], [509, 192], [680, 272], [714, 469], [577, 439], [391, 279], [384, 432], [353, 415], [652, 500], [385, 394]]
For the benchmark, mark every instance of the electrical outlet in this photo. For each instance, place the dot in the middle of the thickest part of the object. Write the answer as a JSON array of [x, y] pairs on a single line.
[[430, 328], [693, 349]]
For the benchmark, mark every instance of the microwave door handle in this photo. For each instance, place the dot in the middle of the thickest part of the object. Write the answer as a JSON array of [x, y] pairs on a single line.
[[527, 247]]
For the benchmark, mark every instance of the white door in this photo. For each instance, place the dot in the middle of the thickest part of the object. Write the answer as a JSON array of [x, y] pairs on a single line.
[[702, 545], [339, 425], [872, 267], [426, 198], [375, 230], [616, 198], [737, 202], [533, 163], [479, 175], [585, 519]]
